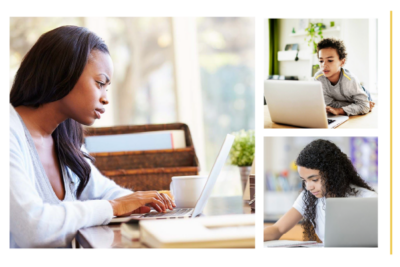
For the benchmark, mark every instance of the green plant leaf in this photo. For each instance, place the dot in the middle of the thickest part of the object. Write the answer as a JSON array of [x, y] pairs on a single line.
[[243, 148]]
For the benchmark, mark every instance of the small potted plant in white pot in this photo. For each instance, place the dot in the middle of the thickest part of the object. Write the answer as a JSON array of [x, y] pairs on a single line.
[[242, 153]]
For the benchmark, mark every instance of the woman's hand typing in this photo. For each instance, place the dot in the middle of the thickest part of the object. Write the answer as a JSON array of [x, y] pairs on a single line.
[[135, 203]]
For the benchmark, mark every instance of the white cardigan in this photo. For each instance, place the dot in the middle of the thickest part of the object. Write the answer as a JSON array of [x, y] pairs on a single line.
[[35, 223]]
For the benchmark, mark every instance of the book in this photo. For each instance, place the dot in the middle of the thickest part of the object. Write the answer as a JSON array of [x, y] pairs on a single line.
[[156, 140], [288, 243], [130, 230], [124, 219], [226, 231]]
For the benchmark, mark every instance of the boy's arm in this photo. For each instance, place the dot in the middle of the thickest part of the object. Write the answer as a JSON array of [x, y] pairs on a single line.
[[335, 103], [360, 98], [329, 100]]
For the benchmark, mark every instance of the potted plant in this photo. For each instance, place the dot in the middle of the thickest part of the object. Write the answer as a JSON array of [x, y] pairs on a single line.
[[314, 30], [242, 153]]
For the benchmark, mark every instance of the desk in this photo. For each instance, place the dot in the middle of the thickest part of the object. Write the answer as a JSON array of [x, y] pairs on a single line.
[[296, 233], [366, 121], [109, 236]]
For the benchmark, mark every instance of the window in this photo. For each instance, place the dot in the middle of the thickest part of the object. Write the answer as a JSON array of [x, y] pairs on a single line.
[[226, 62]]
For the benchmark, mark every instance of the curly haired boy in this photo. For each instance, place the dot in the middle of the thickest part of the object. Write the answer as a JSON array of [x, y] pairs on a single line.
[[343, 94]]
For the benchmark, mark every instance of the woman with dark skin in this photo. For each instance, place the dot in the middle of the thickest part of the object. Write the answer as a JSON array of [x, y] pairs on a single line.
[[83, 103], [326, 172]]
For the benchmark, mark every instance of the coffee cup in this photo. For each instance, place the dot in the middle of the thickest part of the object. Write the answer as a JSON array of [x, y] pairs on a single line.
[[187, 190]]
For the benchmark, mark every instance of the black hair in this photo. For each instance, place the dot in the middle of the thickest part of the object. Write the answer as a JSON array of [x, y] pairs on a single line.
[[338, 45], [48, 72], [337, 174]]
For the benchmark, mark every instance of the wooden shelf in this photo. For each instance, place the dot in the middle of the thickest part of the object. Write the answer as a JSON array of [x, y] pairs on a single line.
[[335, 29], [291, 55]]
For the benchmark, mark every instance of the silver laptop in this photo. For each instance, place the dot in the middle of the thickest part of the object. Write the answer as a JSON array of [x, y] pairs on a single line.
[[201, 202], [299, 103], [351, 222]]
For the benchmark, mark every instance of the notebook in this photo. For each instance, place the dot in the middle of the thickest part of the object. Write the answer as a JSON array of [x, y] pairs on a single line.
[[226, 231], [288, 243]]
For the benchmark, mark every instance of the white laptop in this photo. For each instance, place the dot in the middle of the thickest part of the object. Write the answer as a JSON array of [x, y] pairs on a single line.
[[182, 213], [299, 103], [351, 222]]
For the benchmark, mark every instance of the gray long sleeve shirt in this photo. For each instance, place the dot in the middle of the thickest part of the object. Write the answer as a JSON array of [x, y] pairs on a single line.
[[346, 93]]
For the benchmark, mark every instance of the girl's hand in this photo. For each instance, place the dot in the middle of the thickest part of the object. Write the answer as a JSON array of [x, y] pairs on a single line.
[[134, 202]]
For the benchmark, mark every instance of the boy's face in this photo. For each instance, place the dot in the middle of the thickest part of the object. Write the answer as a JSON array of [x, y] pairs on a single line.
[[329, 62]]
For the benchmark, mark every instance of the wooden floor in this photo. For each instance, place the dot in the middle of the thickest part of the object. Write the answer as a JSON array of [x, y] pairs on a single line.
[[296, 233]]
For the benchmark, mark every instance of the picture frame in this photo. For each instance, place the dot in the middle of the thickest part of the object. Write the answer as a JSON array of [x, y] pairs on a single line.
[[303, 24], [288, 47]]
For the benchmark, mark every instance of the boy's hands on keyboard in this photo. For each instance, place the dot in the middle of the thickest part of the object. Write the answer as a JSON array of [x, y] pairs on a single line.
[[335, 111]]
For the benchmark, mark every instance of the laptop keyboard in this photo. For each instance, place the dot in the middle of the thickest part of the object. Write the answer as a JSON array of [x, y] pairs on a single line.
[[330, 121], [170, 213]]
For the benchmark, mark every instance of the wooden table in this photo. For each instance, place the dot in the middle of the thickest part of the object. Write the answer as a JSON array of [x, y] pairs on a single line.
[[296, 233], [367, 121], [109, 236]]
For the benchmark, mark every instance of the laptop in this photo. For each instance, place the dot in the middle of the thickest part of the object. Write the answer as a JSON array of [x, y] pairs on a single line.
[[182, 213], [351, 222], [299, 103]]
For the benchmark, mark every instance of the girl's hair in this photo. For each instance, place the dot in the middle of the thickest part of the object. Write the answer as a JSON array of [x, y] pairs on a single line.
[[338, 45], [48, 72], [337, 174]]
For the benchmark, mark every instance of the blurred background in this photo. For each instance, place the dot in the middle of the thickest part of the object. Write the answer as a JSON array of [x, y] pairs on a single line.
[[286, 38], [282, 181], [198, 71]]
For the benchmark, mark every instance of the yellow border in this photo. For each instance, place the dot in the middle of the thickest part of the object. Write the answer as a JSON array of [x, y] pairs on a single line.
[[391, 144]]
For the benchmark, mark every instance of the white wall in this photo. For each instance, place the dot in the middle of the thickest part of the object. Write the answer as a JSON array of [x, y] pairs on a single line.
[[356, 39], [356, 35]]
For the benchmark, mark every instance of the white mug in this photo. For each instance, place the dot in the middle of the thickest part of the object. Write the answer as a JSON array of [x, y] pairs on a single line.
[[187, 190]]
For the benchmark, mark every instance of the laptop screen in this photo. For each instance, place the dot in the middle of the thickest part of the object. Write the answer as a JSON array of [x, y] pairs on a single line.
[[212, 177]]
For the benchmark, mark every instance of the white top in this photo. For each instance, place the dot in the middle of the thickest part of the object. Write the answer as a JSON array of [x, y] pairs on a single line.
[[320, 209], [37, 217]]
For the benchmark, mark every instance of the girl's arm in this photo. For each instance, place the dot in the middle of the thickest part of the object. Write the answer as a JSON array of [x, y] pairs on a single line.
[[283, 225]]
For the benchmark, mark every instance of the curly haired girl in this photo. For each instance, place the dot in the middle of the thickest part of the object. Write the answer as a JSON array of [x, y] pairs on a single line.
[[326, 172]]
